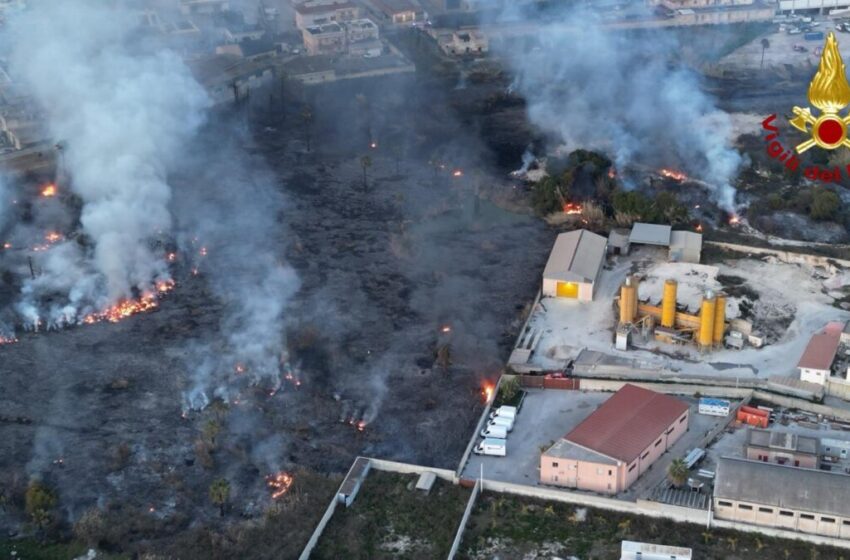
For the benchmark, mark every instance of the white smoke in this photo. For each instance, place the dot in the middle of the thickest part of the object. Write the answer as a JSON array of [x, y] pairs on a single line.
[[620, 92], [124, 116]]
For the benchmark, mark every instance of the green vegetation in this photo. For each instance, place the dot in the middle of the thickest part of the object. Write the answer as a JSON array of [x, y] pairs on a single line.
[[510, 392], [39, 502], [220, 494], [819, 203], [555, 192], [678, 471], [516, 527], [391, 519]]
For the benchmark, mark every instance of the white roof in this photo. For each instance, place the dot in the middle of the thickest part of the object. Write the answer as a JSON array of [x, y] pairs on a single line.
[[576, 257], [686, 240], [650, 234], [649, 551]]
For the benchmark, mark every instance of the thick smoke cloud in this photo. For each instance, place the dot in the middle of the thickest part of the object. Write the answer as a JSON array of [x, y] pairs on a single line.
[[621, 92], [123, 116]]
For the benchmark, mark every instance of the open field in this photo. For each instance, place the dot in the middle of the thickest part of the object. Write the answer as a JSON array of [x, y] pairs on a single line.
[[391, 519], [519, 528]]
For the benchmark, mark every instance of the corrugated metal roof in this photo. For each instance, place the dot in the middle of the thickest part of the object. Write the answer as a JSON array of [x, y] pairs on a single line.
[[577, 256], [650, 234], [820, 353], [781, 486], [627, 423], [686, 240]]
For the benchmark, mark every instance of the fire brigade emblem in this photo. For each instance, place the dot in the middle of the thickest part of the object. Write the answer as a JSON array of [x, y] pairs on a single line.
[[830, 93]]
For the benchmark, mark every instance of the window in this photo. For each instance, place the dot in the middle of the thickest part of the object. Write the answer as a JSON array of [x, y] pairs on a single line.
[[846, 522], [745, 507], [683, 418], [806, 516], [555, 464], [645, 455], [632, 467], [784, 513], [827, 520], [724, 503], [657, 443], [670, 431], [766, 510]]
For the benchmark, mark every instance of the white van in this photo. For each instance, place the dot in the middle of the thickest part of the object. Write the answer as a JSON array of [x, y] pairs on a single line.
[[491, 447], [494, 431], [505, 421], [504, 411]]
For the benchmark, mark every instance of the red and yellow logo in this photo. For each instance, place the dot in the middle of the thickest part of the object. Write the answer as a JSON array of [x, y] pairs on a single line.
[[830, 93]]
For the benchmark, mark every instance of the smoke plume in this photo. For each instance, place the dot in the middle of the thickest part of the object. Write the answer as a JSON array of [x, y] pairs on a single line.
[[622, 92], [123, 115]]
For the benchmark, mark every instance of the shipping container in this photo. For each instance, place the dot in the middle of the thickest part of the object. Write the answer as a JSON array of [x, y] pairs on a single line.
[[813, 36]]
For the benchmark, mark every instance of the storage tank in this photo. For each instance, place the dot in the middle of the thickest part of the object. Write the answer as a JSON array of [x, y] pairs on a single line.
[[668, 304], [719, 319], [628, 301], [706, 320]]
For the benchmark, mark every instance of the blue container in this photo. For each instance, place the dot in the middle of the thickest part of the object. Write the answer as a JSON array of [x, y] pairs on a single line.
[[814, 36]]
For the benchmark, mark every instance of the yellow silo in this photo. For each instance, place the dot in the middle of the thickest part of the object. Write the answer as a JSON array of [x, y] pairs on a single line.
[[628, 301], [635, 282], [719, 319], [706, 320], [668, 304]]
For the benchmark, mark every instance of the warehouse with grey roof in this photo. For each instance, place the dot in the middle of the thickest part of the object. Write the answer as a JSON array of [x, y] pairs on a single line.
[[805, 500], [574, 265]]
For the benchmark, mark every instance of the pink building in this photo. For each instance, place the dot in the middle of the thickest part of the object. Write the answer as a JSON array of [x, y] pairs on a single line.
[[617, 443]]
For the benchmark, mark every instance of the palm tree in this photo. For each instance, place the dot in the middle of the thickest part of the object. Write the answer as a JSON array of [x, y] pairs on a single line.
[[365, 163], [220, 494], [677, 472], [307, 121], [765, 44]]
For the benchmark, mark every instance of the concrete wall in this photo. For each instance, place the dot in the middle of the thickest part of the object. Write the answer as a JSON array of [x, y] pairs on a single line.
[[790, 458], [584, 475], [407, 468], [465, 519], [609, 385], [789, 519], [785, 256]]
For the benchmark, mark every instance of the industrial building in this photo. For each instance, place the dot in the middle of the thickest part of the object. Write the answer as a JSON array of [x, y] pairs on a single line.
[[617, 443], [312, 14], [805, 500], [684, 246], [574, 265], [783, 448], [815, 365], [667, 322]]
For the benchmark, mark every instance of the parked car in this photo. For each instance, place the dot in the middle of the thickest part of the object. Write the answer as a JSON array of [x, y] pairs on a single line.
[[799, 48]]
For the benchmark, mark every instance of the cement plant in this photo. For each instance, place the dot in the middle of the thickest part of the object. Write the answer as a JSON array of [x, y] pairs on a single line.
[[473, 279]]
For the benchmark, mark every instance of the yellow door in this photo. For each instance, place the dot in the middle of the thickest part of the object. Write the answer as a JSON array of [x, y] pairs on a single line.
[[567, 289]]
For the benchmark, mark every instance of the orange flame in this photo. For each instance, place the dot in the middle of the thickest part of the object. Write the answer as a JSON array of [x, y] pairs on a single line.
[[572, 208], [457, 173], [7, 340], [487, 391], [673, 174], [699, 227], [279, 483], [128, 307], [446, 329], [49, 190], [734, 219]]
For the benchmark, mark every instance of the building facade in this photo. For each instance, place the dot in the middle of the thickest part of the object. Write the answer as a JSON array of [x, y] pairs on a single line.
[[324, 39], [574, 265], [312, 14], [796, 499], [815, 365], [617, 443], [783, 448]]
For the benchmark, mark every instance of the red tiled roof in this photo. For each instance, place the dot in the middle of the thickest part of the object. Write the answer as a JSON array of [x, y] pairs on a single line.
[[627, 423], [820, 353]]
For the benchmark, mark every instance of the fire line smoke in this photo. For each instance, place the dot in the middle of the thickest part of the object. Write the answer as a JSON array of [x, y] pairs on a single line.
[[619, 92], [123, 116]]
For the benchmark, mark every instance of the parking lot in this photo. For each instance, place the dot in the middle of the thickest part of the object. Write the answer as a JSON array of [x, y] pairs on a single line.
[[547, 415]]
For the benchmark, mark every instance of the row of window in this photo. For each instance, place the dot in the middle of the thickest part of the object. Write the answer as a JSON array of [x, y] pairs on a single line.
[[782, 512]]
